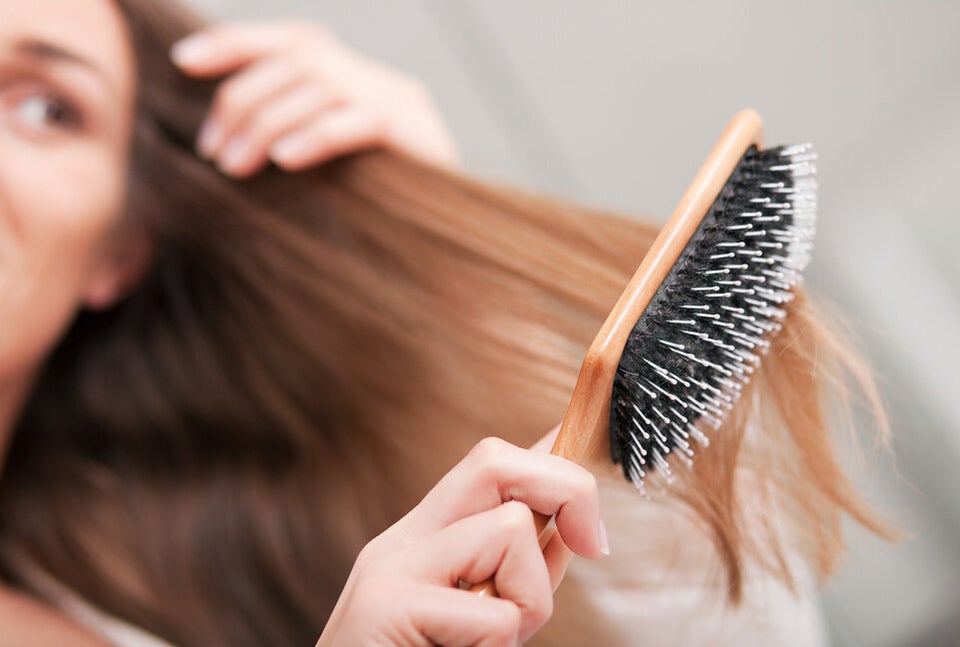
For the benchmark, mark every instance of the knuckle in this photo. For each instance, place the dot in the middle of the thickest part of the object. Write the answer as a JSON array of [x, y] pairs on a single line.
[[372, 595], [306, 66], [586, 484], [375, 123], [229, 94], [489, 450], [263, 126], [516, 516], [368, 554], [539, 609], [484, 459]]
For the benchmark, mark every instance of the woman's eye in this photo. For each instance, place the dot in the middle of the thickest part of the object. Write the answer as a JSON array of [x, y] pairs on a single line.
[[40, 111]]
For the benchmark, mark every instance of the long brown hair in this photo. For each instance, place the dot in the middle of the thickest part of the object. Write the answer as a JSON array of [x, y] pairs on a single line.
[[310, 352]]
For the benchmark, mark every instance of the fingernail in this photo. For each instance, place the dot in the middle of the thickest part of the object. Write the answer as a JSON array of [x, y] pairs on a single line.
[[604, 542], [288, 149], [234, 154], [192, 50], [209, 139]]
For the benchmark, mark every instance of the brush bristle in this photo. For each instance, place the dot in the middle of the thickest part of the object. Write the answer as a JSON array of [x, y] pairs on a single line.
[[707, 327]]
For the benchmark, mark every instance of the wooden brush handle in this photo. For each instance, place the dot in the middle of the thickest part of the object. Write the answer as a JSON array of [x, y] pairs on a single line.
[[584, 433]]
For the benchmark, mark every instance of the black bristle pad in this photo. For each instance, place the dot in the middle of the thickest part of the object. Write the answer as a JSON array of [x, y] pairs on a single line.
[[704, 332]]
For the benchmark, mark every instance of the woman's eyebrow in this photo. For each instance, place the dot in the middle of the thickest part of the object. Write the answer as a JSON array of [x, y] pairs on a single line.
[[45, 51]]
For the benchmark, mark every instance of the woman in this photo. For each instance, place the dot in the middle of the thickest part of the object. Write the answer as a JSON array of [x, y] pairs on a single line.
[[218, 382]]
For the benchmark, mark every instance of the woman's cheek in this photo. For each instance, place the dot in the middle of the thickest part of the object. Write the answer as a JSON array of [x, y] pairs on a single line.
[[64, 205]]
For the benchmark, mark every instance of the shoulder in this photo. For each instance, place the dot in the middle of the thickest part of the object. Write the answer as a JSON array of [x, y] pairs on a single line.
[[26, 622]]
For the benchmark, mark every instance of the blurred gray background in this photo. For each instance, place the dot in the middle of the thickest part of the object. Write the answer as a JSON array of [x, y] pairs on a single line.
[[615, 104]]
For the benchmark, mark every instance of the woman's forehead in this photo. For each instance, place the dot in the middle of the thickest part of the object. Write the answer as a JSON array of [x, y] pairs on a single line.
[[88, 34]]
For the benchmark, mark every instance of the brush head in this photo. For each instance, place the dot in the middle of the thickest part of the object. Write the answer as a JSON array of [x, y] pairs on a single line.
[[705, 330]]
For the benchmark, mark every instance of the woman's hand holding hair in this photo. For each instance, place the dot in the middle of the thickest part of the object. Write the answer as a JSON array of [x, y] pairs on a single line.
[[294, 95], [474, 524]]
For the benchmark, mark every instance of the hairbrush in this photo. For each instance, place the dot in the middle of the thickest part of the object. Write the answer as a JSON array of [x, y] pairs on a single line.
[[694, 322]]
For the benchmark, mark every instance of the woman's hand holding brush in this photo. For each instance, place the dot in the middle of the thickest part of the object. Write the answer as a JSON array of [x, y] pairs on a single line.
[[474, 524]]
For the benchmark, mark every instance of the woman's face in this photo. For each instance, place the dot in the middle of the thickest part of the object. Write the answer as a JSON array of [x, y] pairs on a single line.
[[66, 105]]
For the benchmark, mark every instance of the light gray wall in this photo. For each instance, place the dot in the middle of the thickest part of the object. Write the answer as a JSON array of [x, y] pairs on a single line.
[[615, 103]]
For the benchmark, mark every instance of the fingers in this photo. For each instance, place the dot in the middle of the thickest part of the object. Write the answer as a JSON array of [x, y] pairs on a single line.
[[404, 587], [457, 618], [496, 471], [501, 543], [224, 48], [290, 78], [386, 609], [238, 100], [334, 133], [255, 142], [274, 108], [249, 132]]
